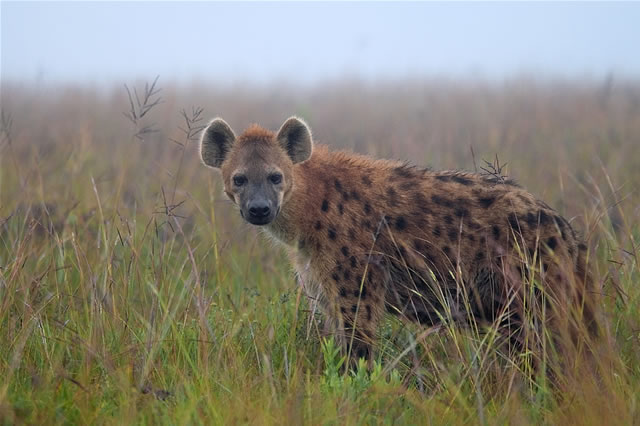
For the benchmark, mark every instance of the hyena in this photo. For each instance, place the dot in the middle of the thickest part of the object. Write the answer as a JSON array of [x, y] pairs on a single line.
[[369, 237]]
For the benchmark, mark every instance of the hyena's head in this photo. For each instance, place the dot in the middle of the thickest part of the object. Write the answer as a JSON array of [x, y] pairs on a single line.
[[257, 166]]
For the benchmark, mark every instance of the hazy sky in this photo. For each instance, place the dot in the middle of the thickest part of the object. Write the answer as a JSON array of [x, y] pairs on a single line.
[[306, 42]]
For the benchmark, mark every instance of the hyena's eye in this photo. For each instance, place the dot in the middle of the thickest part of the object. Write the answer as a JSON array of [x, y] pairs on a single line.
[[239, 180], [275, 178]]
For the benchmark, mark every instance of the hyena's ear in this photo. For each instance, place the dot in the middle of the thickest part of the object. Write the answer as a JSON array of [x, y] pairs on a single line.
[[216, 142], [295, 137]]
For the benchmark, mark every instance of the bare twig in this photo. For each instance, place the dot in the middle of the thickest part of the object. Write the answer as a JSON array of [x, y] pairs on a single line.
[[193, 125], [6, 138], [495, 170], [141, 106]]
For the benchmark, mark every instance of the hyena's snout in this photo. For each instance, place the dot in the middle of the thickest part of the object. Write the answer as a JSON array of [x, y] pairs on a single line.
[[259, 211]]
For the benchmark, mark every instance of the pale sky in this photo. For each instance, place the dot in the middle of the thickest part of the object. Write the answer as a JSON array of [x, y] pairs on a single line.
[[308, 42]]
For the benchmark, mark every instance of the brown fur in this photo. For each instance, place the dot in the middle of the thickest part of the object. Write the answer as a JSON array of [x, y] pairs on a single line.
[[372, 236]]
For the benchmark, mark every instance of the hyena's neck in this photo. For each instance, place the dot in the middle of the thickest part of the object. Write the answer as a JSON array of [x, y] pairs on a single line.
[[328, 188]]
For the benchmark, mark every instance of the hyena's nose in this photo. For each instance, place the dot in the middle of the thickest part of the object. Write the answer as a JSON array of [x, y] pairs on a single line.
[[259, 210]]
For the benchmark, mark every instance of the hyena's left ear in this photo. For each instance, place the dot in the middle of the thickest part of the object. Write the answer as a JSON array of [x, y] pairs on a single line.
[[216, 142], [295, 138]]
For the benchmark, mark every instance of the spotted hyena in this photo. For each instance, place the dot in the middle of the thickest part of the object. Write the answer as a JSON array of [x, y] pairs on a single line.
[[372, 236]]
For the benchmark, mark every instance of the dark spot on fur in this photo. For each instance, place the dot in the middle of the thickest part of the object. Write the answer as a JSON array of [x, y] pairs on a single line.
[[545, 266], [401, 223], [367, 208], [552, 243], [545, 219], [446, 250], [345, 250], [338, 184], [367, 224], [361, 295], [335, 277], [345, 196], [332, 234], [473, 225], [448, 219], [436, 231], [302, 243], [471, 237], [343, 292], [479, 255], [405, 186], [325, 205], [486, 201], [392, 195], [418, 245], [340, 208], [403, 171], [317, 226], [354, 261], [531, 220], [368, 307], [496, 231], [355, 195], [346, 275], [421, 202], [388, 219], [452, 233], [352, 233], [354, 308], [366, 180], [441, 201], [513, 221], [343, 310], [461, 180], [582, 246], [461, 211], [443, 178], [483, 240]]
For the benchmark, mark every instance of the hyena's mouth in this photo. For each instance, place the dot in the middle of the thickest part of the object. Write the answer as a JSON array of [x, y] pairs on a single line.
[[260, 220]]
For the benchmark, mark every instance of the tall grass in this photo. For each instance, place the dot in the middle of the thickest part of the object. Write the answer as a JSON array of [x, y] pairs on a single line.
[[130, 291]]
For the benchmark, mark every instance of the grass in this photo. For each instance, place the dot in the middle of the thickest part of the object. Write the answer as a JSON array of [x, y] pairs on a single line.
[[131, 292]]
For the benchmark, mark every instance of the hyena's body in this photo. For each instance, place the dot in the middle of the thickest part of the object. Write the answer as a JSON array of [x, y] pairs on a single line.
[[373, 236]]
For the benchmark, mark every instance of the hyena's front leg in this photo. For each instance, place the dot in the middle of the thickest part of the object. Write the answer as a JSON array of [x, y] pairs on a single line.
[[360, 307]]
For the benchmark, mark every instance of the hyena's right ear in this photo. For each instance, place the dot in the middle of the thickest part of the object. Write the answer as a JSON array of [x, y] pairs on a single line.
[[216, 142]]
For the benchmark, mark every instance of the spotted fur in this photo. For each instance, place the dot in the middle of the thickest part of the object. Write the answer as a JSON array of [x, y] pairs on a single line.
[[371, 236]]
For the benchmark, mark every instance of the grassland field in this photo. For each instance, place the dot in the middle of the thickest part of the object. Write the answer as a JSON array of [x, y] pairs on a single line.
[[131, 292]]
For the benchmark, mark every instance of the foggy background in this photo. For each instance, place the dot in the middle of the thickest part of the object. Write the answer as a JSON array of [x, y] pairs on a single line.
[[302, 43]]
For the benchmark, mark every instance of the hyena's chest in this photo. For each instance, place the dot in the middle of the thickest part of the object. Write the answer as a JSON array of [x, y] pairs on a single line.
[[311, 274]]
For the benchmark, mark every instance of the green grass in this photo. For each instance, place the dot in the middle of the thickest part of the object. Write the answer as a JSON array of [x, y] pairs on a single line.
[[131, 292]]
